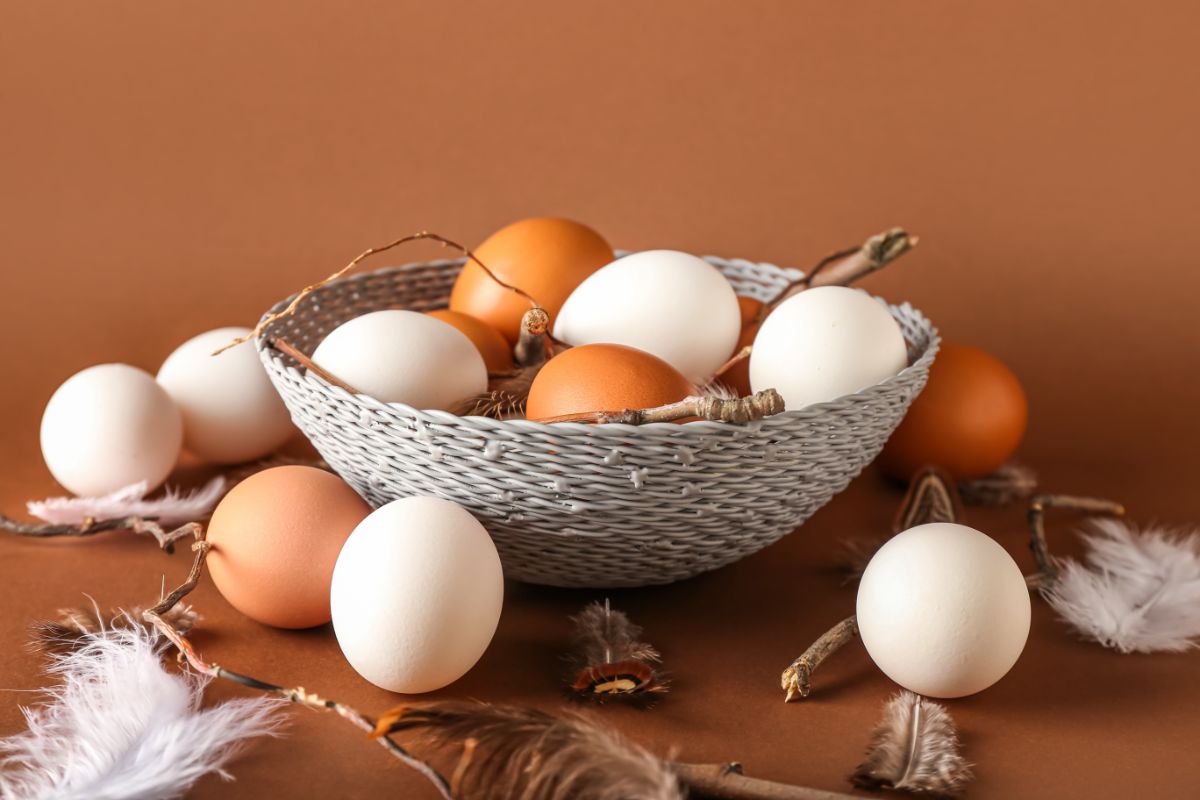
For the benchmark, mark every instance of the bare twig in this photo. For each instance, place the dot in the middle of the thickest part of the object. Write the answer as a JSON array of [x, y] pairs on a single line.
[[1047, 567], [284, 346], [795, 679], [139, 525], [412, 237], [158, 616], [846, 266], [744, 409], [1010, 482], [727, 782], [531, 344]]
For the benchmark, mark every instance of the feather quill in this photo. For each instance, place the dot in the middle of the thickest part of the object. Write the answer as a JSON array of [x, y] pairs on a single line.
[[509, 752], [1136, 591], [120, 727], [175, 507], [915, 749]]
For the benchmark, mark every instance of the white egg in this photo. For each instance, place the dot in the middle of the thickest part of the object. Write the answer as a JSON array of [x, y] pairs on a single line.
[[943, 610], [416, 594], [669, 304], [404, 357], [108, 427], [231, 412], [824, 343]]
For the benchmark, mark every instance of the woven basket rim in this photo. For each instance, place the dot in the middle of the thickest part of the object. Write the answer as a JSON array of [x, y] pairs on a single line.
[[700, 427]]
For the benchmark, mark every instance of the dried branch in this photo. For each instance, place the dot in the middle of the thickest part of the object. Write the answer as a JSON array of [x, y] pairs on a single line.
[[846, 266], [284, 346], [756, 406], [795, 679], [143, 527], [531, 342], [1047, 567], [727, 782], [412, 237], [159, 616]]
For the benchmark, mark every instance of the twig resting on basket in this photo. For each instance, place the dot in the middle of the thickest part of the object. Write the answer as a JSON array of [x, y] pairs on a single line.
[[745, 409], [284, 346], [846, 266], [370, 251]]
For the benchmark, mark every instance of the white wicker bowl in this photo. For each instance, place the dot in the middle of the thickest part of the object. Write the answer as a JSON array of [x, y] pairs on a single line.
[[581, 505]]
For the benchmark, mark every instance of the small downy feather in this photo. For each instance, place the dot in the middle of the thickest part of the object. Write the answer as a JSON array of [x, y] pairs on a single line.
[[609, 660], [507, 752], [914, 749], [1136, 592], [120, 727], [74, 627], [175, 507]]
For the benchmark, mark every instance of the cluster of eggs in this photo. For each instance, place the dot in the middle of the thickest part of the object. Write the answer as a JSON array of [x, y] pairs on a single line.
[[113, 425], [644, 329]]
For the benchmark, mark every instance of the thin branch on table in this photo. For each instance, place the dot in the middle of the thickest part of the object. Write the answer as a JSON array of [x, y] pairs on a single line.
[[1047, 567], [158, 617], [727, 782], [795, 679], [139, 525], [744, 409], [846, 266]]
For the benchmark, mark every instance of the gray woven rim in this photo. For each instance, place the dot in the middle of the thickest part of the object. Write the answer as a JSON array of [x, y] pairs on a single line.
[[581, 505]]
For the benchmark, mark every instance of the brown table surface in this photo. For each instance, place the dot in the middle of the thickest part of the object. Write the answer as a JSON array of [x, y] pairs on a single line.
[[171, 169]]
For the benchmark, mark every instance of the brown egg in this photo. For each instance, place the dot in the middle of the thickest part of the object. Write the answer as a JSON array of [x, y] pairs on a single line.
[[969, 419], [495, 349], [603, 377], [545, 257], [275, 538], [737, 377]]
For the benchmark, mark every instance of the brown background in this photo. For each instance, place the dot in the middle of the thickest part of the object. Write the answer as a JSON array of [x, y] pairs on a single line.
[[172, 168]]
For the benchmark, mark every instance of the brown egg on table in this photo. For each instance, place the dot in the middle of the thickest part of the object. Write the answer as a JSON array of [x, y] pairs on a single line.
[[545, 257], [969, 419], [737, 377], [275, 539], [604, 377], [495, 349]]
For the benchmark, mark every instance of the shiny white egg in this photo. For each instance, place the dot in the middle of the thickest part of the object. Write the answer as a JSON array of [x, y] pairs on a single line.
[[416, 595], [399, 356], [824, 343], [108, 427], [670, 304], [943, 610], [231, 412]]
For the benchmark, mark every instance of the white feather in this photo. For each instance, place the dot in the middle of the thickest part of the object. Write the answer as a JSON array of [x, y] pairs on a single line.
[[175, 507], [1136, 591], [120, 727]]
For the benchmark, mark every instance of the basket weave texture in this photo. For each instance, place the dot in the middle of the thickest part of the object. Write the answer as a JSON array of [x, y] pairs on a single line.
[[581, 505]]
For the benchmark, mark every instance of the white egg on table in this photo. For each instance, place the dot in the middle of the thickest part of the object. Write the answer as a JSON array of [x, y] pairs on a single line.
[[824, 343], [943, 610], [416, 594], [399, 356], [670, 304], [108, 427], [231, 412]]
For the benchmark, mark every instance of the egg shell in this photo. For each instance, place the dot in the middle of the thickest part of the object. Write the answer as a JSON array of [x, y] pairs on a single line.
[[399, 356], [969, 419], [603, 377], [670, 304], [943, 610], [824, 343], [231, 412], [416, 595], [545, 257], [737, 377], [275, 538], [496, 351], [108, 427]]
